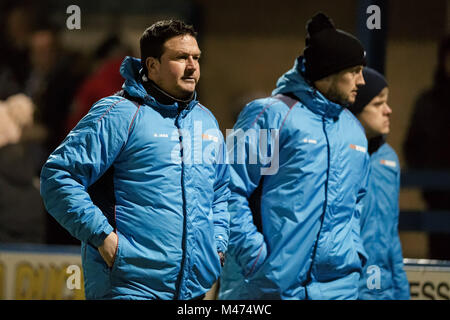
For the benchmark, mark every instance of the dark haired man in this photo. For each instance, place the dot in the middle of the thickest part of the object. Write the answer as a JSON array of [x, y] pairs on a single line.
[[307, 244], [152, 221]]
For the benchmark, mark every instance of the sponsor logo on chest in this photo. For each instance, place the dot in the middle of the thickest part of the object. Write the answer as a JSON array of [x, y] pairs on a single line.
[[388, 163], [358, 148]]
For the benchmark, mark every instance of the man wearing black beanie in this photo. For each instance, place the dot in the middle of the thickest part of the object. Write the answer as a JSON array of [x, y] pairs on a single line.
[[295, 220], [383, 276], [333, 61], [329, 50]]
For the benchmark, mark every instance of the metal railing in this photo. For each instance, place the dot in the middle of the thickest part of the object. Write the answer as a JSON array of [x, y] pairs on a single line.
[[425, 220]]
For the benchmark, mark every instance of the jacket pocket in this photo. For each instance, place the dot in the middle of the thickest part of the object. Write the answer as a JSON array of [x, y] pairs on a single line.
[[321, 260], [258, 262], [117, 255]]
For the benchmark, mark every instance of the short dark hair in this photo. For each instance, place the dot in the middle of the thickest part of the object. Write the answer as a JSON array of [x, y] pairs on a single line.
[[154, 37]]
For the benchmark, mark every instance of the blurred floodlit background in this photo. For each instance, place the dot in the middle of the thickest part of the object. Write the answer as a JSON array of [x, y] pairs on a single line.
[[59, 72]]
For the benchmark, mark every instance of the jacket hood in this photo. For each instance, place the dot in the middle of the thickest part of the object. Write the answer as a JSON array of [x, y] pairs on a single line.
[[294, 82], [131, 71]]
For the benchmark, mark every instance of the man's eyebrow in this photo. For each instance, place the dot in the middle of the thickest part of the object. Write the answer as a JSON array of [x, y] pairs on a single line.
[[379, 100], [180, 52]]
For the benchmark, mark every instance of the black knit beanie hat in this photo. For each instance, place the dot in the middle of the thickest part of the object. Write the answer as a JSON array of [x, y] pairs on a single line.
[[375, 82], [329, 50]]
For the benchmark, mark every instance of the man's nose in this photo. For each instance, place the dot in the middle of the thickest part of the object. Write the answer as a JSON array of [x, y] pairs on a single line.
[[360, 79], [387, 109], [191, 63]]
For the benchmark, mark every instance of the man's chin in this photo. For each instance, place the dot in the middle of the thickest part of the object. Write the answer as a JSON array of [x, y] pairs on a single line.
[[185, 94], [351, 100], [346, 103]]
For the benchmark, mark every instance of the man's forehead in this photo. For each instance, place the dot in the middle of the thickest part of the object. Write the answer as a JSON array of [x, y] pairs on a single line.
[[182, 43]]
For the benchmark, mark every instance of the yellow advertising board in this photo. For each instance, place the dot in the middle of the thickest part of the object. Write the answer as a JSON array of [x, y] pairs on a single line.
[[40, 273]]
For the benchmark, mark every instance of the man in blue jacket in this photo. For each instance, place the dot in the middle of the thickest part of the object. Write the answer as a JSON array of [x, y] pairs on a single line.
[[383, 276], [142, 181], [294, 227]]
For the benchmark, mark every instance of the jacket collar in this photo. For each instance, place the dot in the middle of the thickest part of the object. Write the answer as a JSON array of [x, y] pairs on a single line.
[[294, 82], [133, 85]]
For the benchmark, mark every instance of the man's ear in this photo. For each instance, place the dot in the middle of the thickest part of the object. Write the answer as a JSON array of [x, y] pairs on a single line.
[[324, 84], [152, 65]]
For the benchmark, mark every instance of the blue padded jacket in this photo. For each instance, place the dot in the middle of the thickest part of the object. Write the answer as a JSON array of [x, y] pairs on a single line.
[[157, 176], [383, 276], [307, 244]]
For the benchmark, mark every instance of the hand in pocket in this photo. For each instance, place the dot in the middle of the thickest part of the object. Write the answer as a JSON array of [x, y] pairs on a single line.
[[108, 249]]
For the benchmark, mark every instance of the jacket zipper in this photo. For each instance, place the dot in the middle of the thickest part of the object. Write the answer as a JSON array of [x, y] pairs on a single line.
[[117, 235], [183, 243], [324, 206]]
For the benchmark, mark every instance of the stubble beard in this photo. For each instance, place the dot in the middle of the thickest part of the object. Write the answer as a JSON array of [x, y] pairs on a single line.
[[335, 95]]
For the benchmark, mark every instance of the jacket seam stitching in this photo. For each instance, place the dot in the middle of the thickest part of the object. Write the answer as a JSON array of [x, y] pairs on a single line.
[[256, 260], [109, 109], [285, 117], [206, 110], [290, 108], [134, 117], [262, 111]]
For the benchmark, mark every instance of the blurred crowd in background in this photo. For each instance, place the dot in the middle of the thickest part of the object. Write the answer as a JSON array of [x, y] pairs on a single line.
[[45, 89]]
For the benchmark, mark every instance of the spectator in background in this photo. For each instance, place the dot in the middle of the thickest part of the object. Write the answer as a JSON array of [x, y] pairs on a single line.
[[21, 219], [16, 25], [104, 81], [54, 78], [379, 218], [426, 145]]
